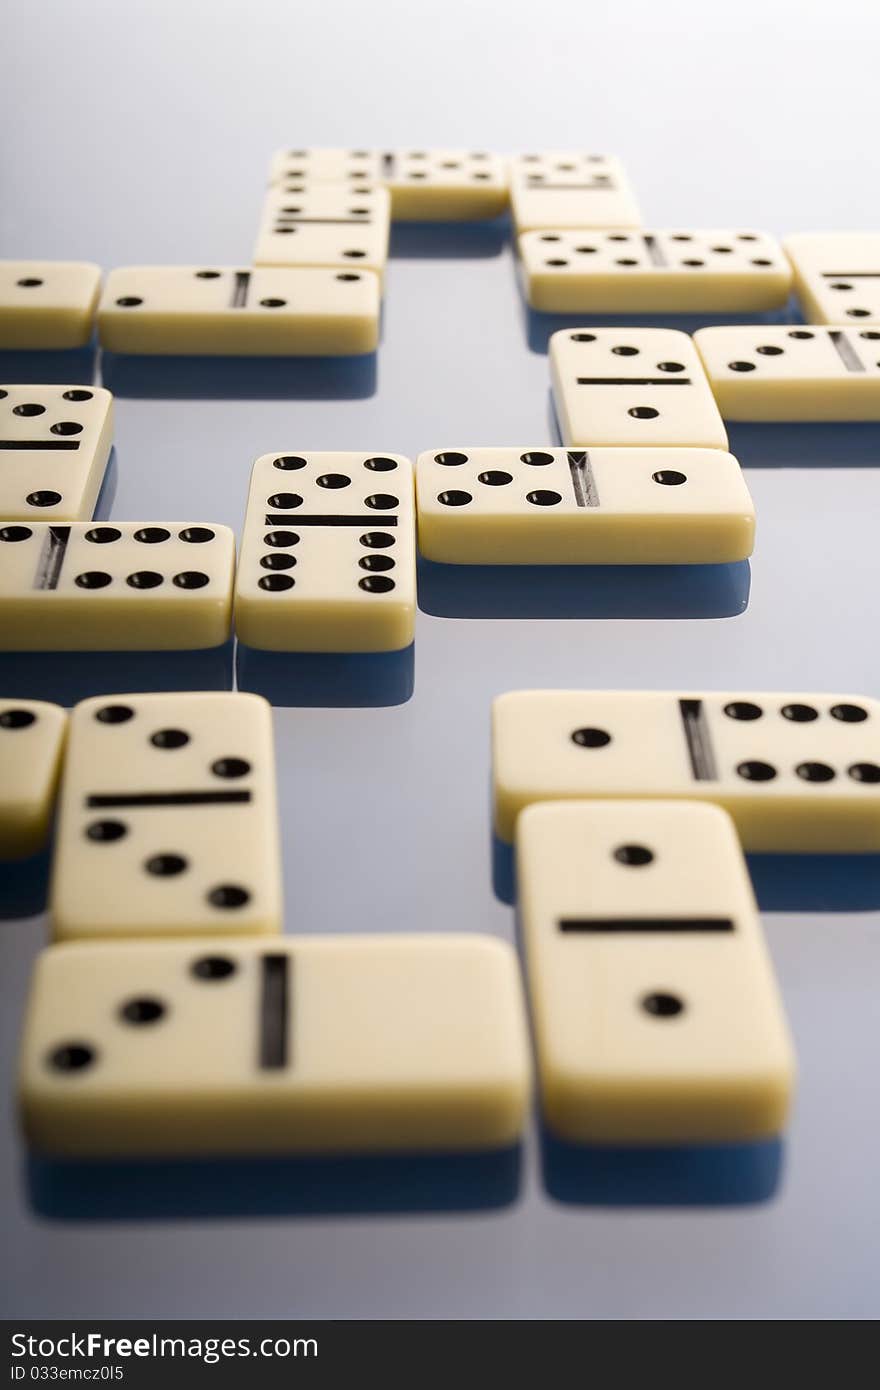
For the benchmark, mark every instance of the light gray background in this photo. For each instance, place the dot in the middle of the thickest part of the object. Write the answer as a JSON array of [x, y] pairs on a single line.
[[141, 133]]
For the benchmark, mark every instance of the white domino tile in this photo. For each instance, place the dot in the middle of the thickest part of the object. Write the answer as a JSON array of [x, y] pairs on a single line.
[[445, 185], [54, 445], [837, 276], [120, 585], [270, 310], [47, 304], [656, 1015], [559, 188], [542, 506], [632, 387], [656, 272], [300, 168], [32, 736], [327, 225], [798, 773], [327, 560], [167, 822], [793, 373], [308, 1044]]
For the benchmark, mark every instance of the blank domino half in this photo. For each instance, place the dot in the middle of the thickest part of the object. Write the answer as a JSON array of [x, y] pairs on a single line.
[[31, 741], [167, 821], [785, 373], [54, 446], [837, 275], [290, 311], [305, 168], [631, 387], [47, 304], [656, 1014], [563, 189], [128, 586], [798, 773], [327, 559], [327, 225], [580, 507], [675, 272], [308, 1044], [445, 185]]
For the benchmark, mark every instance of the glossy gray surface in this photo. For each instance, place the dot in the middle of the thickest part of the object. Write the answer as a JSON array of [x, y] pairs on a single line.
[[148, 143]]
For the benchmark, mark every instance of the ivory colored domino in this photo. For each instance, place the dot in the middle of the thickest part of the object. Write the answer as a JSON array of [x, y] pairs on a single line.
[[31, 741], [583, 507], [167, 820], [54, 445], [47, 304], [327, 225], [798, 773], [304, 168], [360, 1043], [632, 387], [656, 1014], [677, 272], [564, 189], [327, 559], [786, 373], [837, 275], [129, 586], [290, 311], [445, 185]]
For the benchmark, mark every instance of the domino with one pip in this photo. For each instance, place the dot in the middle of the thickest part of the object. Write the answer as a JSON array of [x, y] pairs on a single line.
[[54, 445], [167, 819], [798, 773], [327, 561], [31, 742], [632, 387], [563, 189], [288, 311], [656, 1014], [836, 275], [125, 586], [47, 304], [786, 373], [635, 272], [307, 1044], [583, 507]]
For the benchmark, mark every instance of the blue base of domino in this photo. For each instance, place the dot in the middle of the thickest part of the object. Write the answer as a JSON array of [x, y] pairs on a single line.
[[583, 591], [199, 1189]]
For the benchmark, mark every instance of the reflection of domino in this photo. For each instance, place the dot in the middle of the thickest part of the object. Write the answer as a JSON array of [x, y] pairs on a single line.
[[796, 772], [656, 1015], [304, 1044]]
